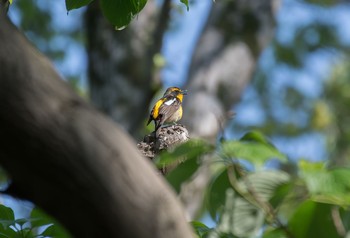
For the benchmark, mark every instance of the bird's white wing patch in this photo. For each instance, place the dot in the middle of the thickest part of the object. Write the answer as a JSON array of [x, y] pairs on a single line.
[[170, 102]]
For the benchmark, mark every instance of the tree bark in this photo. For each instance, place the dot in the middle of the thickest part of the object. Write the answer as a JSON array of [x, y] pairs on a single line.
[[72, 161], [168, 137], [224, 61]]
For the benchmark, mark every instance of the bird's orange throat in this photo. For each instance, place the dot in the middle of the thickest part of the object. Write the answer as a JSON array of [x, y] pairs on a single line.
[[180, 97]]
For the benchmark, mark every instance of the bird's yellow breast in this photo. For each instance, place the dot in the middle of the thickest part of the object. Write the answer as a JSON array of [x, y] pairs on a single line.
[[176, 116]]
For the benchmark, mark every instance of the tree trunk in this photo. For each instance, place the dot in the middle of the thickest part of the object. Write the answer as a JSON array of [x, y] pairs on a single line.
[[224, 61], [72, 161]]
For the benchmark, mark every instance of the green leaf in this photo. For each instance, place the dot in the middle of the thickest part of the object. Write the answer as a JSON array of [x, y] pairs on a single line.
[[74, 4], [200, 229], [255, 152], [255, 136], [192, 149], [239, 217], [121, 12], [25, 232], [312, 219], [55, 231], [22, 221], [186, 3], [6, 213], [327, 186], [322, 3], [182, 173], [7, 219], [39, 218], [217, 234], [242, 215], [308, 166], [274, 233], [264, 184], [186, 157], [280, 194], [8, 233], [216, 194]]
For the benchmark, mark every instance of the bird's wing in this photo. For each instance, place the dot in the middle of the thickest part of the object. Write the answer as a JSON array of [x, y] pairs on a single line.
[[155, 110], [168, 108]]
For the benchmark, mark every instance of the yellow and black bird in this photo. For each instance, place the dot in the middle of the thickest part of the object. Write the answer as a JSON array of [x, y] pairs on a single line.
[[167, 109]]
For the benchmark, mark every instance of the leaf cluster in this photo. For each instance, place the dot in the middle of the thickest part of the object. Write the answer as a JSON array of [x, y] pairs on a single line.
[[117, 12], [257, 201], [38, 225]]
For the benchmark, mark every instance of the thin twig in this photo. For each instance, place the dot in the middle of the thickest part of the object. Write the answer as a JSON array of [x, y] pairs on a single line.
[[338, 223]]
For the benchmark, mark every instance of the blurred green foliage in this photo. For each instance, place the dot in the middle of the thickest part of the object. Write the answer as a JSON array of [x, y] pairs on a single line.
[[335, 113], [38, 225], [71, 4], [263, 202], [118, 12], [302, 81], [312, 201]]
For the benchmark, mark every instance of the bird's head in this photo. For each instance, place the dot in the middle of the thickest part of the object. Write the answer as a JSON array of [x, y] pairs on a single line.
[[175, 91]]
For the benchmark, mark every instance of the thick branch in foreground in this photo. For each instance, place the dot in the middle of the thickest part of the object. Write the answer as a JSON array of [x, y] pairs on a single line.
[[72, 161]]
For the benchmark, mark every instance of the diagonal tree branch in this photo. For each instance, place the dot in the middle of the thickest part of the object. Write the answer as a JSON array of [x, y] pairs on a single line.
[[72, 161]]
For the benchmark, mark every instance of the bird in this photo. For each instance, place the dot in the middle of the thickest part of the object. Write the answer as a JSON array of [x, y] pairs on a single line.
[[168, 108]]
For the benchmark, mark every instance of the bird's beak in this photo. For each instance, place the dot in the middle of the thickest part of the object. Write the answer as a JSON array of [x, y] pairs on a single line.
[[184, 92]]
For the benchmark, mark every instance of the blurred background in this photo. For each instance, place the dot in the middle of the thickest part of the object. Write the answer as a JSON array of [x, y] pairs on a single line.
[[279, 66]]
